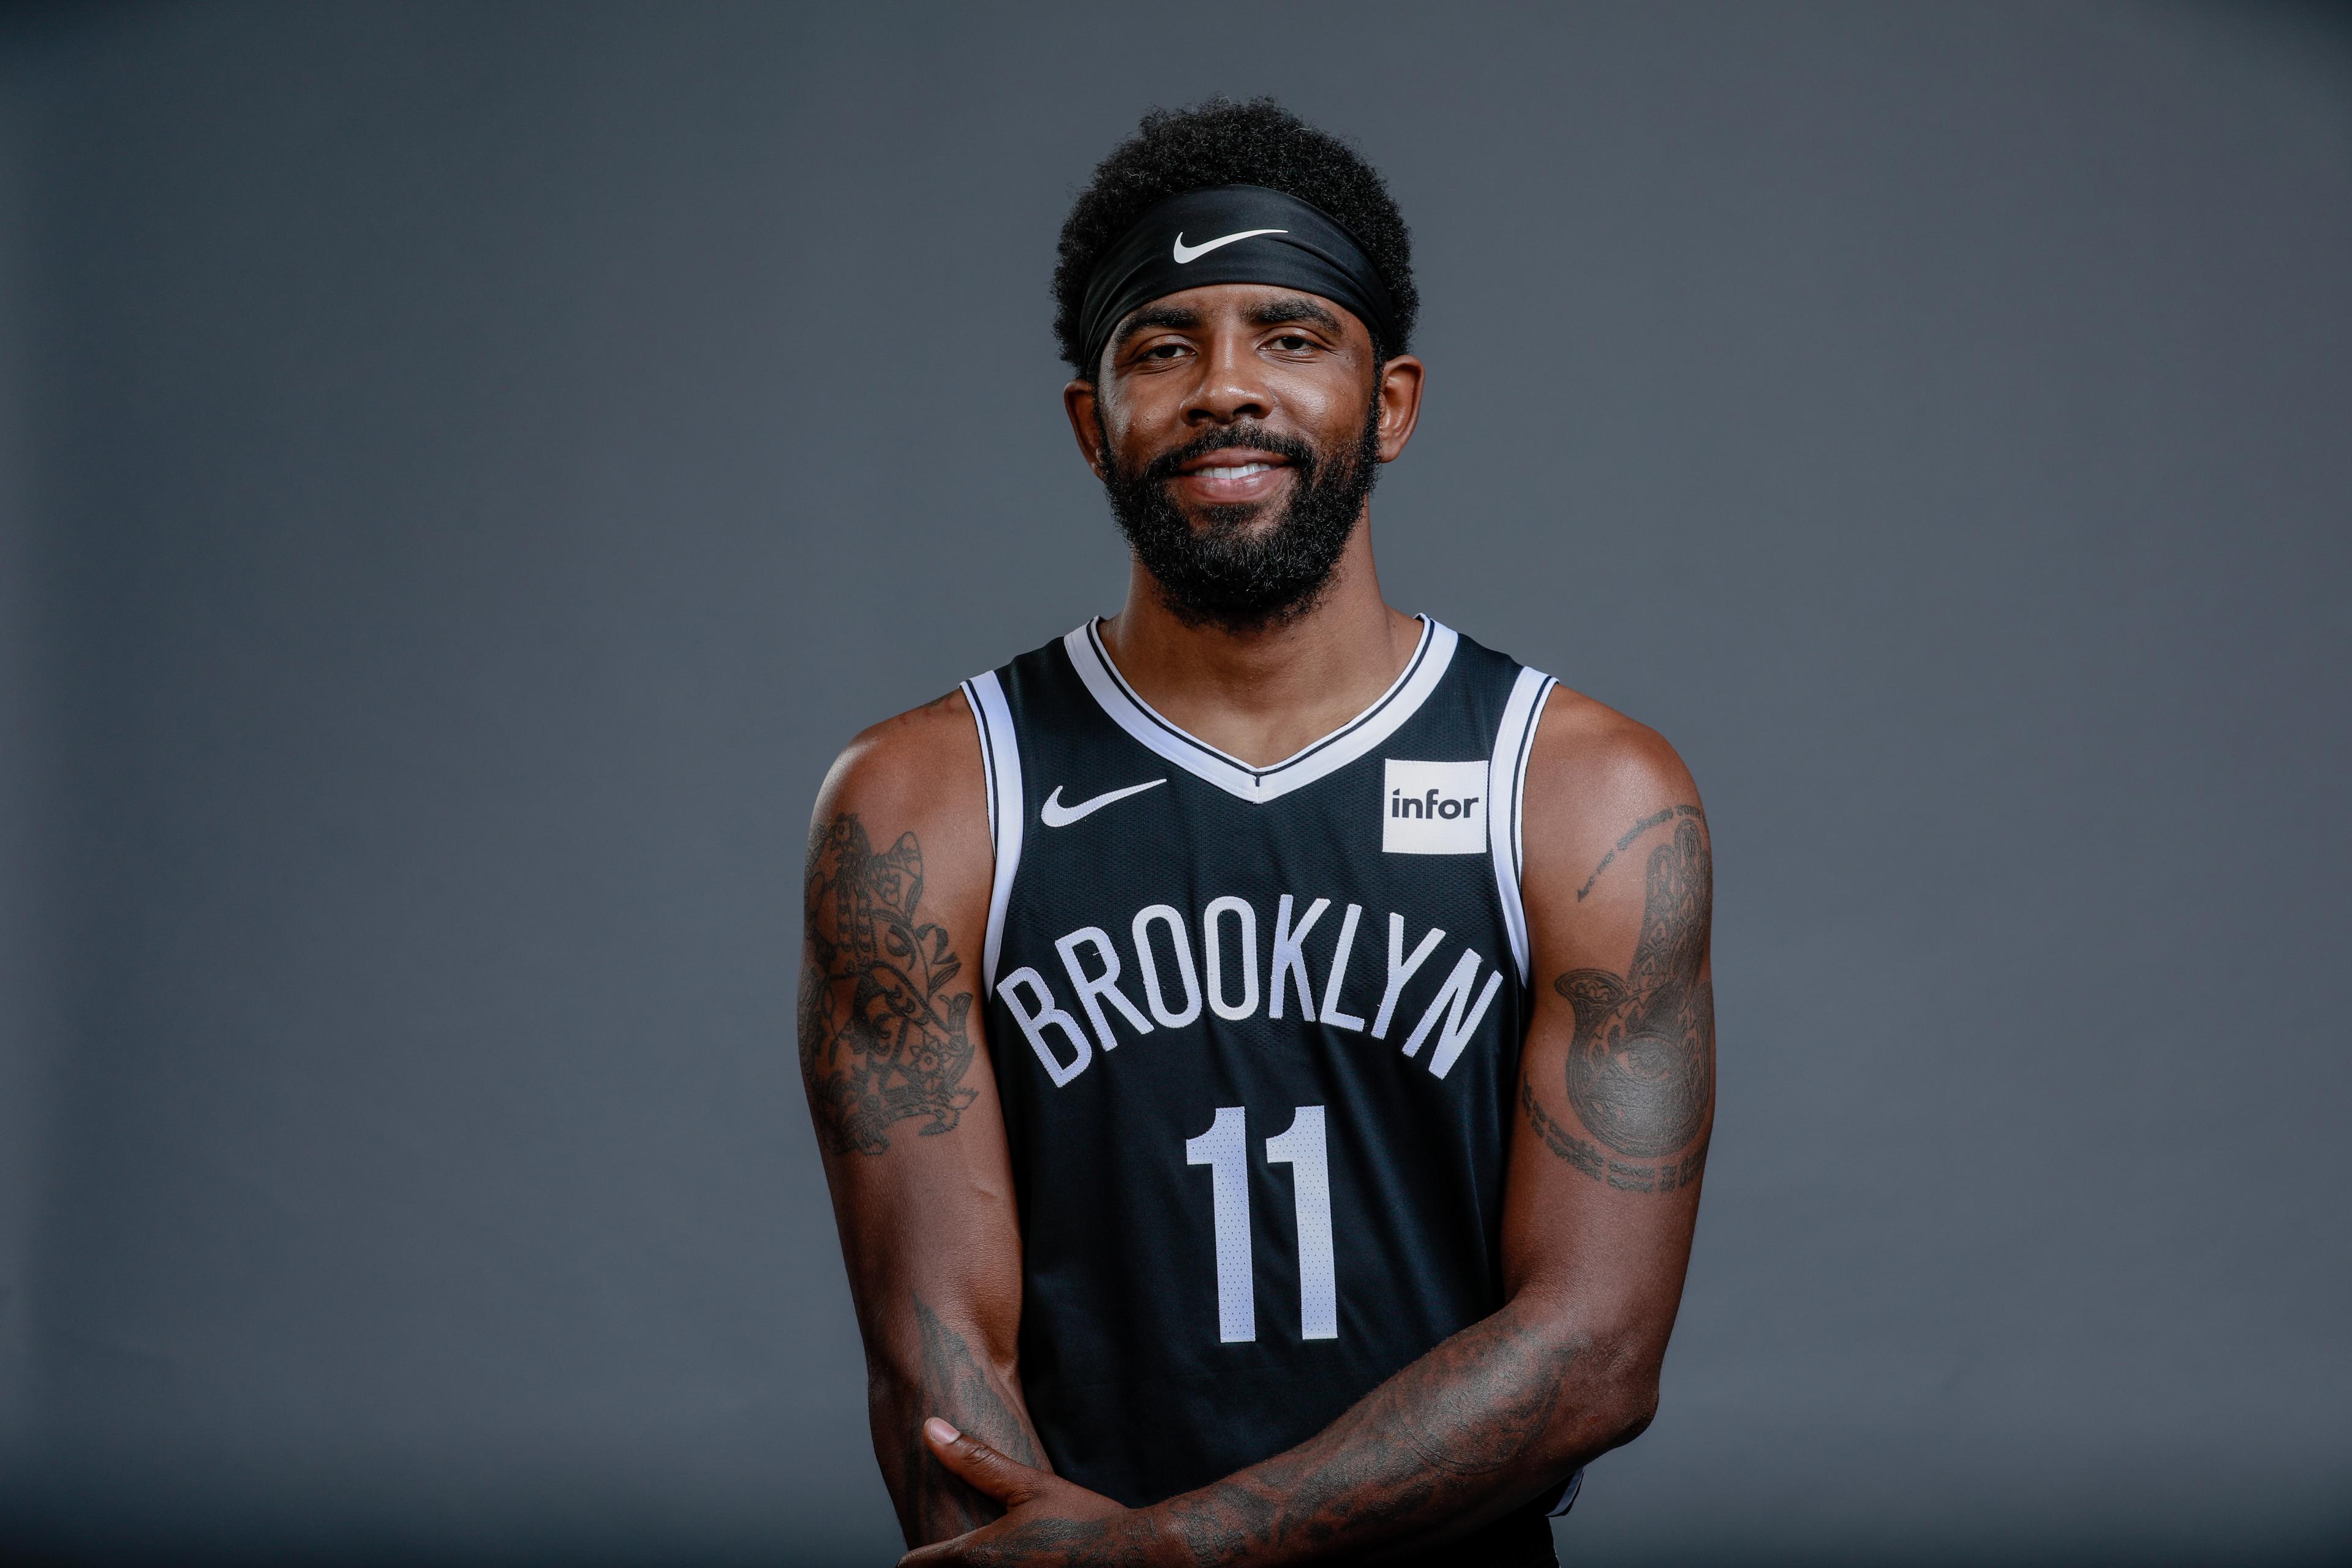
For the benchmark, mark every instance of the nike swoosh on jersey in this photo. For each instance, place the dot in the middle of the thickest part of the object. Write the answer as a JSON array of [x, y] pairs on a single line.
[[1054, 814], [1185, 253]]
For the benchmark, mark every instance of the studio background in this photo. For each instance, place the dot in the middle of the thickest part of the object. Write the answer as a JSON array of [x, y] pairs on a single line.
[[464, 471]]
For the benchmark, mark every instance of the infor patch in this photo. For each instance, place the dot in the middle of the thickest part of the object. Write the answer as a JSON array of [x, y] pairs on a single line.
[[1434, 808]]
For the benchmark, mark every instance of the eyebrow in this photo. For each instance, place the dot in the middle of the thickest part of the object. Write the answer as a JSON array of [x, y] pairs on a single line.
[[1265, 314], [1174, 318], [1294, 308]]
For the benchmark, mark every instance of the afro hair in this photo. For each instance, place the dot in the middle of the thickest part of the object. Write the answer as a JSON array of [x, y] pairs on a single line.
[[1222, 142]]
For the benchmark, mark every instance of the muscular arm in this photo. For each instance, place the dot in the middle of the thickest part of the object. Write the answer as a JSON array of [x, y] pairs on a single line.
[[895, 1065], [1616, 1105]]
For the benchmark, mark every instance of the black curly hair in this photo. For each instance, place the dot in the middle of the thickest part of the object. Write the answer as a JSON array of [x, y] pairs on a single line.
[[1222, 142]]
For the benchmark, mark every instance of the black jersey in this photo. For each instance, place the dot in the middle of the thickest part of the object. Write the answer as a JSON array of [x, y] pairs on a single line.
[[1256, 1031]]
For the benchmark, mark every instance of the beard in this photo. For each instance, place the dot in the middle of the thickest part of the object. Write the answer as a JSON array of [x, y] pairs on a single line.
[[1228, 569]]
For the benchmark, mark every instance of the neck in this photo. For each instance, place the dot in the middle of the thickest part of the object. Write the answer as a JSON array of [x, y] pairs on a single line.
[[1263, 695]]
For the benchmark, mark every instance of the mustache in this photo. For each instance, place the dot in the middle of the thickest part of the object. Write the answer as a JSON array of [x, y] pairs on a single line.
[[1297, 453]]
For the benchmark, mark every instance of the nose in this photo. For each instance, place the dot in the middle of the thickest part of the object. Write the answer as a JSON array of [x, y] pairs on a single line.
[[1232, 384]]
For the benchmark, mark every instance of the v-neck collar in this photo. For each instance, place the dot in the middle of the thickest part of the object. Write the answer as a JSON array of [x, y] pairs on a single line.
[[1316, 760]]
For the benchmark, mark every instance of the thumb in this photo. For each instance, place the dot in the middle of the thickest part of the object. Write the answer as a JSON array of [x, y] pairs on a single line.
[[1009, 1482]]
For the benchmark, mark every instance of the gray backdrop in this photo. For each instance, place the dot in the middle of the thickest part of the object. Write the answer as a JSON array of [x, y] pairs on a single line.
[[464, 471]]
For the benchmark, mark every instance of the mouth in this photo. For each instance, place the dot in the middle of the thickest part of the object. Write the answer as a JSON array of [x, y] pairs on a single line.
[[1232, 476]]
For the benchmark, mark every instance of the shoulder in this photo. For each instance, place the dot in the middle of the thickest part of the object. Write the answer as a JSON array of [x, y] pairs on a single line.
[[1587, 751], [1599, 784], [912, 786], [911, 759]]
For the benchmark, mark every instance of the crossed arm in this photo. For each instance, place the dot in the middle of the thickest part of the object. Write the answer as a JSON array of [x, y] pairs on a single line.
[[1616, 1105]]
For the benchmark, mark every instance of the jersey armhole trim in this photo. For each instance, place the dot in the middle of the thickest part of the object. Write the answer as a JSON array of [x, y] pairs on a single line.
[[1506, 777], [987, 756], [1000, 758]]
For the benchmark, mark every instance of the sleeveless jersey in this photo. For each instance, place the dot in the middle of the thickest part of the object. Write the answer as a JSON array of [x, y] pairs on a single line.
[[1256, 1032]]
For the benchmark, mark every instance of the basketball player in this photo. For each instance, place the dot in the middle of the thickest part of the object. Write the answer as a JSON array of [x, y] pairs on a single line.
[[1261, 1043]]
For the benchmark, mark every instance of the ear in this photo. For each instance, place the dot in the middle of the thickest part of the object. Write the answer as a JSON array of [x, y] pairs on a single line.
[[1085, 422], [1400, 392]]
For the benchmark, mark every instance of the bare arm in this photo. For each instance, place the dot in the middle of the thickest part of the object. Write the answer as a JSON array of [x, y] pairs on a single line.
[[895, 1064], [1615, 1107]]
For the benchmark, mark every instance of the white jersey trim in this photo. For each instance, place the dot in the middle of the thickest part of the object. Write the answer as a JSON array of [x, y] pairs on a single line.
[[987, 757], [1335, 751], [1507, 778], [1000, 757]]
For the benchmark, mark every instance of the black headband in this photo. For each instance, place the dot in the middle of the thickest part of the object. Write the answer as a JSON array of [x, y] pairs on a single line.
[[1232, 234]]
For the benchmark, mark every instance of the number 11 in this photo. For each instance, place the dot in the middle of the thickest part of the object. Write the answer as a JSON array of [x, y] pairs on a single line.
[[1224, 1149]]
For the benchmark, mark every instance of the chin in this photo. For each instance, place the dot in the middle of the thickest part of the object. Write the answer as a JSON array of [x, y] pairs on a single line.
[[1240, 517]]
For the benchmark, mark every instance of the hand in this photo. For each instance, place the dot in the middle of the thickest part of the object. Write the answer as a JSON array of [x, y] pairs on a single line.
[[1047, 1520]]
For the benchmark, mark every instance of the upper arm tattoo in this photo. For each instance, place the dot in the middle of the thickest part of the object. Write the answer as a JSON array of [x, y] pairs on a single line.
[[1641, 1062], [882, 1038]]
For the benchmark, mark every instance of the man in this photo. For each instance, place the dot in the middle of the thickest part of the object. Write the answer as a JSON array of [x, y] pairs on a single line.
[[1262, 1043]]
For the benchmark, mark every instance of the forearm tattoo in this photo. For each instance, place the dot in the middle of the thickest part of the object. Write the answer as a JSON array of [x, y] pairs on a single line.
[[1487, 1411], [1641, 1062], [934, 1504], [1433, 1441], [883, 1039]]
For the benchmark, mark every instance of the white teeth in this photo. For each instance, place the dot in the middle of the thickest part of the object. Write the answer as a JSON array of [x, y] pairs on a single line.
[[1241, 472]]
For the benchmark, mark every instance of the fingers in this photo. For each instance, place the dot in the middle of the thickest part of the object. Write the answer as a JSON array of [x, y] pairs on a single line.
[[1009, 1482]]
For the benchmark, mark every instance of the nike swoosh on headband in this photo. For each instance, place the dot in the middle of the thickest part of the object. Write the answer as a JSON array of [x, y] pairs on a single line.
[[1054, 814], [1184, 253]]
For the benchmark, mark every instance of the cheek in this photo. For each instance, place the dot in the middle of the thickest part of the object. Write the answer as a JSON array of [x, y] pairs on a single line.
[[1337, 418], [1330, 402], [1134, 424]]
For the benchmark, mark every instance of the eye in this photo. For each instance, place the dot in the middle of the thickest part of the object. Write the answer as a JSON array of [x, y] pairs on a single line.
[[1163, 351], [1293, 342]]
